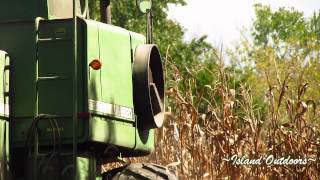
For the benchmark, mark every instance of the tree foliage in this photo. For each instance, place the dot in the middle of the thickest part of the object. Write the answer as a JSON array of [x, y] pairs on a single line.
[[284, 48]]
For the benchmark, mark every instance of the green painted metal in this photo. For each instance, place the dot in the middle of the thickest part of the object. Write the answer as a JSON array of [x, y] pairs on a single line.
[[144, 141], [112, 132], [116, 73], [14, 10], [19, 10], [112, 84], [136, 39], [18, 40], [60, 167], [109, 86], [92, 110], [54, 96]]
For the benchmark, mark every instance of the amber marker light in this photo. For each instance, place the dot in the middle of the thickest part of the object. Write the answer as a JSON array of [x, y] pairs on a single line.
[[95, 64]]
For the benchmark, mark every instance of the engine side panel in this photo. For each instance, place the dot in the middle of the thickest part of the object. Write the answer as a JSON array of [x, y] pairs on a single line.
[[110, 100]]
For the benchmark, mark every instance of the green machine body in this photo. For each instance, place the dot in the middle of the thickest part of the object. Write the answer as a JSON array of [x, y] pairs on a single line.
[[120, 85]]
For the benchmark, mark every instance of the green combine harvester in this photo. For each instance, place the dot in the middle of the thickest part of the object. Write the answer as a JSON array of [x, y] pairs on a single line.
[[76, 93]]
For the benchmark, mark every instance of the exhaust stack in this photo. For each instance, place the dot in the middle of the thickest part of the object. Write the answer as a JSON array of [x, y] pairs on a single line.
[[105, 11]]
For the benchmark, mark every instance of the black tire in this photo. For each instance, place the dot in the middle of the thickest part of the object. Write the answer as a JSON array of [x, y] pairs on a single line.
[[143, 171]]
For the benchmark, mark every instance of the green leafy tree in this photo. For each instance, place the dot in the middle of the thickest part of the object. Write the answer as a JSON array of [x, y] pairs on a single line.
[[283, 50]]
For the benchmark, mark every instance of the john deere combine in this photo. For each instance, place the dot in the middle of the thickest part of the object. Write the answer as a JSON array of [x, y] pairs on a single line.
[[75, 92]]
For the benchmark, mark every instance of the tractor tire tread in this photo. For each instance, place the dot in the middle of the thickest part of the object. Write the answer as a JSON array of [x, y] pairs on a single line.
[[143, 171]]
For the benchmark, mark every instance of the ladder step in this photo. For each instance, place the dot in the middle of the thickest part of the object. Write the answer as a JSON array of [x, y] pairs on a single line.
[[62, 153], [49, 116], [53, 78], [55, 39], [7, 67]]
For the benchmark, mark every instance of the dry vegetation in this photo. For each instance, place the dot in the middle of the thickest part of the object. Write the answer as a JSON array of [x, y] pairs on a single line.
[[206, 124]]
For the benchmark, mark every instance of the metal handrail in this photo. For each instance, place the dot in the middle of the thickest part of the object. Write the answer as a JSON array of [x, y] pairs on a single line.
[[74, 98]]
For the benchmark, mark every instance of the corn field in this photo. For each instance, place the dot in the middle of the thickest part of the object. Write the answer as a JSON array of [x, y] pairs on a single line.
[[206, 126]]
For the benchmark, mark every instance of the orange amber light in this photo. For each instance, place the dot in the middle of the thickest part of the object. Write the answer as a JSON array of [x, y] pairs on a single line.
[[95, 64]]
